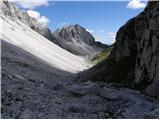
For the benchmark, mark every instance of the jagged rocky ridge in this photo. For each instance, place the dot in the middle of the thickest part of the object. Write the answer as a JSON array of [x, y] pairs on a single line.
[[77, 40], [13, 12], [134, 61], [73, 38]]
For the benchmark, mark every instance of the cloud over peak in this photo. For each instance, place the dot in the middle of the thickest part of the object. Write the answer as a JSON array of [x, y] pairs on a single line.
[[91, 31], [41, 19], [136, 4], [112, 35], [31, 4]]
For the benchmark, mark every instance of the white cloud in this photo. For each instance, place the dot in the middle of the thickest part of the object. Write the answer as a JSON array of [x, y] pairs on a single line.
[[33, 14], [31, 4], [41, 19], [112, 35], [136, 4], [91, 31], [99, 39], [63, 24]]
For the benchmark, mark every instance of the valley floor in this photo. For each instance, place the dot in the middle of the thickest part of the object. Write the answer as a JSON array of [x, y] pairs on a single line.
[[33, 89]]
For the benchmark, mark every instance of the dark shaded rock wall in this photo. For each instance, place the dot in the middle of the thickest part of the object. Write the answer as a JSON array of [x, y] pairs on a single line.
[[134, 59], [139, 37], [147, 60]]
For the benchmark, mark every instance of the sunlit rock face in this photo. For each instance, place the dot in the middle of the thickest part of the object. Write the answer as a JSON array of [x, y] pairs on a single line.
[[11, 11], [77, 40]]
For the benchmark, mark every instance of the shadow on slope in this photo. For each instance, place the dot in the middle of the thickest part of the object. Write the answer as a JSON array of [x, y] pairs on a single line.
[[32, 89], [26, 81]]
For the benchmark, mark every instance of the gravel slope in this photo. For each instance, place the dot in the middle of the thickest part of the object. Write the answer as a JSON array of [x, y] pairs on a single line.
[[22, 36]]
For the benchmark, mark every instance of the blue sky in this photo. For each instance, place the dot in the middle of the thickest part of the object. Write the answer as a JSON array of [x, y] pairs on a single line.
[[102, 19]]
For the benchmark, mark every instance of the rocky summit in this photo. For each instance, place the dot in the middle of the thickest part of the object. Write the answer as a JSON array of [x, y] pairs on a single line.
[[133, 62], [77, 40]]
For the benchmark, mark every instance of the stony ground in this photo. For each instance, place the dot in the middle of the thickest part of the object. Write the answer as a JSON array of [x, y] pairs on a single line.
[[32, 89]]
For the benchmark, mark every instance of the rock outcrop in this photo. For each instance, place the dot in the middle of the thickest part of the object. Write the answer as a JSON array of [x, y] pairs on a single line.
[[133, 61], [8, 9], [139, 38], [147, 60], [77, 40]]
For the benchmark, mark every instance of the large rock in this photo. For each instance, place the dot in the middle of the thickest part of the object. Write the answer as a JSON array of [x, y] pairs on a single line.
[[108, 94], [133, 61], [84, 89], [77, 40]]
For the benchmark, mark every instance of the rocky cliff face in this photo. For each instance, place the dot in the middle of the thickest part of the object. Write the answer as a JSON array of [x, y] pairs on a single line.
[[139, 38], [11, 11], [77, 40], [8, 9], [134, 59], [147, 60]]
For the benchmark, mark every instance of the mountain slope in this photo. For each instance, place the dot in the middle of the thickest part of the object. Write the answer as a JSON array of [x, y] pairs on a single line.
[[133, 62], [102, 56], [22, 36], [11, 11], [77, 40], [84, 44]]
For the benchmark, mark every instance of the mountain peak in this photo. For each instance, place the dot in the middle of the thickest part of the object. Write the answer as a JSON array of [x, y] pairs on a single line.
[[76, 39], [73, 38]]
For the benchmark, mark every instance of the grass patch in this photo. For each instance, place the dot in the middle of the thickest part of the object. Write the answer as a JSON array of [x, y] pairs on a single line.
[[102, 56]]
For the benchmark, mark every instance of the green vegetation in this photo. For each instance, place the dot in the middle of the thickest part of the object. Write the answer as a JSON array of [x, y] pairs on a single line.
[[102, 56]]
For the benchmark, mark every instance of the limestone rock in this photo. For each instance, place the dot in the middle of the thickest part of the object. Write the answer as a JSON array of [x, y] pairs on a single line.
[[77, 40], [138, 40], [146, 44], [11, 11], [84, 89], [134, 61], [110, 95]]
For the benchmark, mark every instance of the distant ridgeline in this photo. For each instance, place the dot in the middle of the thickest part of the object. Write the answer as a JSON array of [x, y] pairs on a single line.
[[73, 38]]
